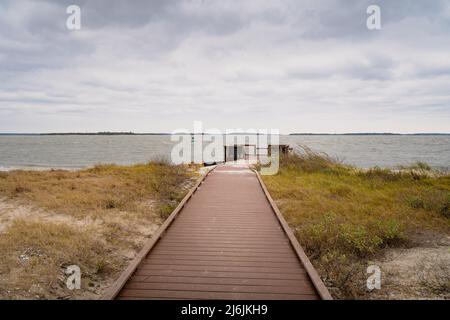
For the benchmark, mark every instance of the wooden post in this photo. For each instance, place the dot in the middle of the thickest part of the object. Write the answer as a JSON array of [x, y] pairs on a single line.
[[225, 154]]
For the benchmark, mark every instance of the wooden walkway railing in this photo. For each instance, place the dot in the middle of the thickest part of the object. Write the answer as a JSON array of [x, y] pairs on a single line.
[[228, 241]]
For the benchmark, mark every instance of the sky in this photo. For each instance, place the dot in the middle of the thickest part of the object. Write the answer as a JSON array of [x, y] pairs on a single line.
[[158, 66]]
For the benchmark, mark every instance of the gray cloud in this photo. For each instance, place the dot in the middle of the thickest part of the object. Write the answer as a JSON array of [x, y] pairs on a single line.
[[158, 65]]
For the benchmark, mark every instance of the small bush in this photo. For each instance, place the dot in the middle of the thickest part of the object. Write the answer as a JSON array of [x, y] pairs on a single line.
[[343, 274], [111, 203], [416, 203], [18, 190], [419, 166], [422, 166], [431, 199], [339, 235], [307, 160], [382, 174], [160, 161], [445, 210], [341, 190], [165, 209]]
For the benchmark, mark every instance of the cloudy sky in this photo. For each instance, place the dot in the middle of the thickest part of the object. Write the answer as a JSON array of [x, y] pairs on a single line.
[[153, 66]]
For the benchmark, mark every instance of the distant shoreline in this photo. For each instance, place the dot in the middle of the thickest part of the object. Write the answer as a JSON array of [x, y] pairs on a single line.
[[237, 133], [369, 134]]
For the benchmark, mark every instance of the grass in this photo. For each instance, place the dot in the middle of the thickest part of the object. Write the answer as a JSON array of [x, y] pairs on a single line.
[[95, 218], [35, 254], [99, 190], [344, 216], [419, 165]]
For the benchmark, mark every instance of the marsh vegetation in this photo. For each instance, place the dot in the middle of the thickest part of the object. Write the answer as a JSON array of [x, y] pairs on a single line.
[[346, 218]]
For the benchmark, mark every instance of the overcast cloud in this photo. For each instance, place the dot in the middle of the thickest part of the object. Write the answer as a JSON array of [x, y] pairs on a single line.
[[153, 66]]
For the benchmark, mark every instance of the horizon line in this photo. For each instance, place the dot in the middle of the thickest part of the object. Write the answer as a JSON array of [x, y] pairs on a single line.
[[180, 133]]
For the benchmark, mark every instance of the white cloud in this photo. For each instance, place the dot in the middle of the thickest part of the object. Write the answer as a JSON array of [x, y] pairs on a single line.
[[156, 66]]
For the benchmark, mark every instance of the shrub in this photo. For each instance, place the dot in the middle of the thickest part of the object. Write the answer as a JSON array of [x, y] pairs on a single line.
[[445, 211], [165, 209], [416, 203], [382, 174], [307, 160]]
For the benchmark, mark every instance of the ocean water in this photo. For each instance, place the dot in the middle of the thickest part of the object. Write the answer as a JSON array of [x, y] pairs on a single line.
[[72, 152]]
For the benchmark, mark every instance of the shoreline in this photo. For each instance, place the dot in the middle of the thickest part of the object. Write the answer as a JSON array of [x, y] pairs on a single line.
[[236, 133], [38, 168], [395, 169]]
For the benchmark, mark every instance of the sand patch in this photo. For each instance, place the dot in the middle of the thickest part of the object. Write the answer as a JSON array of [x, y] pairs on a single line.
[[416, 273], [10, 210]]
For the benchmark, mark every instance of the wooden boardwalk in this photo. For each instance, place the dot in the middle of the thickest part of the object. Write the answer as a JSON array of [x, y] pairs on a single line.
[[227, 242]]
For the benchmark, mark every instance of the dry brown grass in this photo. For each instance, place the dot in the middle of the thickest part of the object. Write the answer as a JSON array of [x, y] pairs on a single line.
[[96, 218], [99, 190], [35, 253], [344, 216]]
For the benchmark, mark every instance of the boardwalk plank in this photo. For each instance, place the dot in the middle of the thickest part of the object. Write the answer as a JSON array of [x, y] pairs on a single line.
[[299, 288], [170, 294], [222, 274], [223, 280]]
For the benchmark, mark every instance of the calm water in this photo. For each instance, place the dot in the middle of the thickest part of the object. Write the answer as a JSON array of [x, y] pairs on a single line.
[[84, 151]]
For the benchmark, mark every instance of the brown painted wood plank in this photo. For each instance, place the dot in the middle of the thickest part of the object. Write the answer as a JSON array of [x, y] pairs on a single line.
[[216, 256], [221, 252], [240, 268], [222, 280], [200, 287], [224, 242], [169, 294], [221, 262], [205, 247], [229, 232], [226, 247], [221, 274], [222, 228]]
